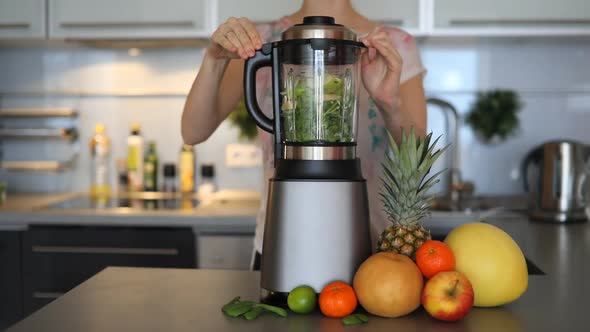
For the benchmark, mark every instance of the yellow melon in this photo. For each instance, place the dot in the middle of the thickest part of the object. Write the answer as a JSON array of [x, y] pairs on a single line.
[[491, 260]]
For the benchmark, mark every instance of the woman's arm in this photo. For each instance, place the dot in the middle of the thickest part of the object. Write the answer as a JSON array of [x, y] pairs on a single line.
[[410, 112], [401, 106], [213, 95], [218, 85]]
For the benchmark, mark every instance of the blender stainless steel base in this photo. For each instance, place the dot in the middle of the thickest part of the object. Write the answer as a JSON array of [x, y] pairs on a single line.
[[316, 232]]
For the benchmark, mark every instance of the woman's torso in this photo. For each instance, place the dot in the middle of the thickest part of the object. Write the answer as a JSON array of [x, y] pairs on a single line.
[[372, 136]]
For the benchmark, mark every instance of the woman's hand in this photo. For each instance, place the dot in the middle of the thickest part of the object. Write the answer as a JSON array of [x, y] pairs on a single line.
[[234, 39], [381, 68]]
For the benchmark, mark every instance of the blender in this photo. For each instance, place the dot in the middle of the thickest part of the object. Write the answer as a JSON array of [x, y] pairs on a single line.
[[317, 220]]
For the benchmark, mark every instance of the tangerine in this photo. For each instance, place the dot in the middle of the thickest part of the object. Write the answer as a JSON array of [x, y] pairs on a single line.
[[434, 257], [337, 300]]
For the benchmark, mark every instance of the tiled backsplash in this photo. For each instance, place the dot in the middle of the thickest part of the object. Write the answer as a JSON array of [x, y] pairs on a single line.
[[110, 86], [552, 76]]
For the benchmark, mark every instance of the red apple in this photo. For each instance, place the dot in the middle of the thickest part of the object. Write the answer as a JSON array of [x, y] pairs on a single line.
[[448, 296]]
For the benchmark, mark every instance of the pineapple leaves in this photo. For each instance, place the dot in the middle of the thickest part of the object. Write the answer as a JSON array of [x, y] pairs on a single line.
[[411, 146], [431, 181], [404, 179]]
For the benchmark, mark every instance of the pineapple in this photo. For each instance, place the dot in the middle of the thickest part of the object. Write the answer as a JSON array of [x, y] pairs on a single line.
[[404, 192]]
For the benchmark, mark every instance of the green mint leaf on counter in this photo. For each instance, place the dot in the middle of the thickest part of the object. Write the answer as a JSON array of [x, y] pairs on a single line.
[[237, 309], [254, 313], [249, 309], [355, 319], [279, 311], [233, 301], [363, 318]]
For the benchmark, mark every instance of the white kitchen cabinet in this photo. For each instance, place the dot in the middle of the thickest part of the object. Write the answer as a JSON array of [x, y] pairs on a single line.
[[22, 19], [87, 19], [402, 13], [506, 17], [225, 251], [258, 11]]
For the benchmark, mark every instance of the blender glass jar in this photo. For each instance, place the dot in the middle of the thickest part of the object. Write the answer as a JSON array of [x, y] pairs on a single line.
[[319, 91], [315, 86]]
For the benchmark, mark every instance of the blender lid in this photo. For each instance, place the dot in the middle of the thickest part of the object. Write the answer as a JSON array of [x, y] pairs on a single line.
[[322, 27]]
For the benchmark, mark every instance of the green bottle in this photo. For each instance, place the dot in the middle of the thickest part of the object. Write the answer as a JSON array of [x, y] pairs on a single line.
[[150, 168]]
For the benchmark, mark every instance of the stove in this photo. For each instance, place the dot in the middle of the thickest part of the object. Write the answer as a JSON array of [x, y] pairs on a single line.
[[136, 201]]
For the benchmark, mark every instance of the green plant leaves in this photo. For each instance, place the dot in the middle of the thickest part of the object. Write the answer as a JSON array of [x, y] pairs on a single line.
[[240, 118], [494, 113]]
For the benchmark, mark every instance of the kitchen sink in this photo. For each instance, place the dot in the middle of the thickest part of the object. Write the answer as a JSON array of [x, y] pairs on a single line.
[[452, 219]]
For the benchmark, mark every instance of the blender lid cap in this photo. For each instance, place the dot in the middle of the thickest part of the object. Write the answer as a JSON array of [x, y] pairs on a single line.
[[323, 27]]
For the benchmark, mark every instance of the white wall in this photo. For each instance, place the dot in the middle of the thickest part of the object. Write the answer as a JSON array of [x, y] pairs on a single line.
[[95, 83], [552, 75]]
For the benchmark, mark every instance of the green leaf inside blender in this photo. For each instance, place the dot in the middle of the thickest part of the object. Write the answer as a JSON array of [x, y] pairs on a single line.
[[307, 120]]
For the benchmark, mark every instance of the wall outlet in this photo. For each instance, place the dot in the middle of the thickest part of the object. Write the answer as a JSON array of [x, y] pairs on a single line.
[[243, 156]]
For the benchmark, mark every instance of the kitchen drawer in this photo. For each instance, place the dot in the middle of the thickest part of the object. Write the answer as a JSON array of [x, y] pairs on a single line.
[[11, 299], [57, 259], [225, 251]]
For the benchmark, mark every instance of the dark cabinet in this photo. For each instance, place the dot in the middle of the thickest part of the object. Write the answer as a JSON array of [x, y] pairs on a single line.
[[11, 303], [58, 258]]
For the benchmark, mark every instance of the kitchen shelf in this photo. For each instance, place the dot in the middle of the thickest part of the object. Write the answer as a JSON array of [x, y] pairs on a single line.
[[68, 134], [38, 113], [40, 166]]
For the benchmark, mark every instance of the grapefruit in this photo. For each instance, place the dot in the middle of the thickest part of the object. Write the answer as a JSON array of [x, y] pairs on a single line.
[[388, 284], [491, 260]]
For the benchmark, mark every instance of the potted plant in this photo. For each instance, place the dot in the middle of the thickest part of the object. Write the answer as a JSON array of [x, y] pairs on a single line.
[[240, 118], [493, 116]]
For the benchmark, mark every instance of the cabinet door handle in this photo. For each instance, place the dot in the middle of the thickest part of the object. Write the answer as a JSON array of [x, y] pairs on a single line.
[[47, 295], [515, 21], [15, 25], [144, 24], [105, 250]]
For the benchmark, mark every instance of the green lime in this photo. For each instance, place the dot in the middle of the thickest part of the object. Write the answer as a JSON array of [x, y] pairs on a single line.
[[302, 300]]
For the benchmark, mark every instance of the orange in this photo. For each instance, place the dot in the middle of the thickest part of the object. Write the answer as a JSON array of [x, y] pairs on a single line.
[[434, 257], [337, 300]]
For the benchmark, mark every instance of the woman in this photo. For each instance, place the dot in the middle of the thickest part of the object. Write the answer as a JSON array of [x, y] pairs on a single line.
[[392, 96]]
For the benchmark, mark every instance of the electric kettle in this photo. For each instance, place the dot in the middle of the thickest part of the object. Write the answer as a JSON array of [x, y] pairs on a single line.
[[558, 183]]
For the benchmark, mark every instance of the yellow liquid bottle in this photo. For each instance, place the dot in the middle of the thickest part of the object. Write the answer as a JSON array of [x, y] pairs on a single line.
[[187, 169], [100, 152]]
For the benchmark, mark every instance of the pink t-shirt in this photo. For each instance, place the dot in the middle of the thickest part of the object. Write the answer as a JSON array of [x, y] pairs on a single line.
[[371, 136]]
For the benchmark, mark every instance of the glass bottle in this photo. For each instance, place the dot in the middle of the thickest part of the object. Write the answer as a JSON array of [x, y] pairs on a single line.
[[135, 159], [150, 168], [187, 169], [100, 153], [208, 185], [169, 185]]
